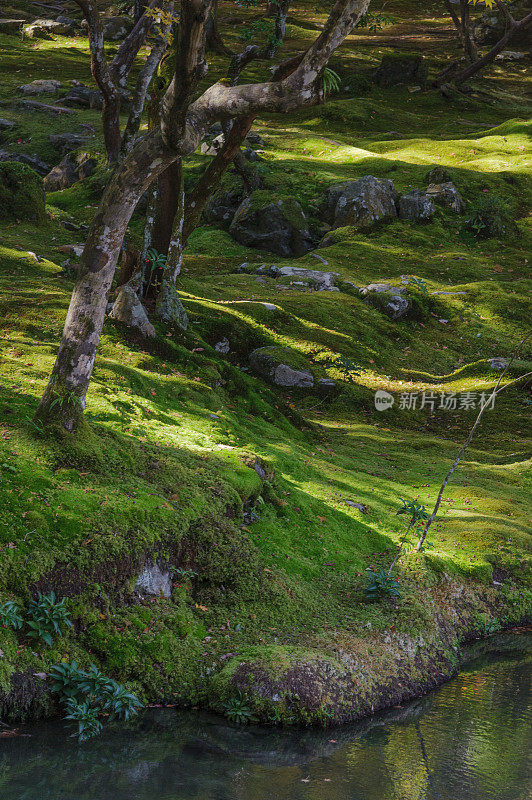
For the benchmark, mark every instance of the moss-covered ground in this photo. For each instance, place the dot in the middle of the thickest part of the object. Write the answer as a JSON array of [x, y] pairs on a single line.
[[165, 466]]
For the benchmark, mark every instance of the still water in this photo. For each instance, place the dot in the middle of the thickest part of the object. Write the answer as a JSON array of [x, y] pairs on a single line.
[[469, 740]]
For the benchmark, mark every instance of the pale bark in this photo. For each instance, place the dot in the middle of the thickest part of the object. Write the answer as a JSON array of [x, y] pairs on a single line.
[[183, 126]]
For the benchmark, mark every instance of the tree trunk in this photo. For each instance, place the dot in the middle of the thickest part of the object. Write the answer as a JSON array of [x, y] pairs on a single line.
[[215, 43], [210, 179], [63, 401], [514, 28], [469, 44], [168, 202], [111, 127]]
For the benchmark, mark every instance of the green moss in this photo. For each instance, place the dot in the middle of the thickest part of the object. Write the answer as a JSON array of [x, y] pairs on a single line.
[[21, 193]]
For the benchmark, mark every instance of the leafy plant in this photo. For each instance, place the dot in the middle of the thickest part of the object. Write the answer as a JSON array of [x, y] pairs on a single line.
[[156, 262], [47, 617], [85, 691], [86, 719], [373, 22], [330, 81], [381, 584], [10, 616], [237, 710], [183, 574], [419, 283], [491, 217], [348, 368]]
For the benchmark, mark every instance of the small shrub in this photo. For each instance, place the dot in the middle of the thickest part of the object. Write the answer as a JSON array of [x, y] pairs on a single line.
[[491, 217], [10, 616], [88, 694], [86, 719], [47, 618], [237, 710], [380, 585]]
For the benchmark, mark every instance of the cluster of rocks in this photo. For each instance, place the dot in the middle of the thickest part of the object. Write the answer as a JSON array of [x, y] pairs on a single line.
[[270, 364], [59, 23], [278, 223]]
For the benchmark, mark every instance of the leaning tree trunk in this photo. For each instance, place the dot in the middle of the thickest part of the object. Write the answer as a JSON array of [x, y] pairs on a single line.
[[514, 28], [167, 205], [63, 401], [469, 44]]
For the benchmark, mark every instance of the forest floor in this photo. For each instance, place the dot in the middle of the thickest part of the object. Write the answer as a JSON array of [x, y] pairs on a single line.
[[273, 611]]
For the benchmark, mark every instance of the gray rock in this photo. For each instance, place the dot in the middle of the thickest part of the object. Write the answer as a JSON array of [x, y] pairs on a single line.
[[392, 305], [11, 27], [154, 581], [446, 194], [381, 287], [511, 55], [116, 28], [498, 363], [416, 206], [45, 86], [65, 142], [250, 154], [31, 161], [34, 105], [278, 225], [44, 28], [323, 280], [72, 249], [255, 139], [266, 362], [221, 208], [438, 175], [128, 309], [396, 68], [74, 167], [7, 124], [223, 346], [362, 203], [326, 385], [359, 506]]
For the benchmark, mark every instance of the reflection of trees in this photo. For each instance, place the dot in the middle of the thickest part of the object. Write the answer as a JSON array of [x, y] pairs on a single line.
[[467, 740]]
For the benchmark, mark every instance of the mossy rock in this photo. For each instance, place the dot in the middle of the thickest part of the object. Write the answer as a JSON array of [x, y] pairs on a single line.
[[21, 193], [397, 68], [273, 223]]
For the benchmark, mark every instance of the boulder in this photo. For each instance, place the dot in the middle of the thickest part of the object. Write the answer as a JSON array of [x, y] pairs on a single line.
[[116, 28], [438, 175], [21, 193], [362, 203], [446, 194], [255, 139], [44, 28], [386, 300], [416, 206], [81, 96], [267, 362], [33, 161], [65, 142], [271, 223], [221, 208], [322, 280], [11, 26], [397, 68], [45, 86], [154, 581], [7, 124], [128, 309], [74, 167], [380, 287]]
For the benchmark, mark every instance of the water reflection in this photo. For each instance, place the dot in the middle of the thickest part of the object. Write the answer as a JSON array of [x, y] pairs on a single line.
[[469, 740]]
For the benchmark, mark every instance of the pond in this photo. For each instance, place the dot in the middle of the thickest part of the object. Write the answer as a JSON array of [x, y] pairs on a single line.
[[470, 740]]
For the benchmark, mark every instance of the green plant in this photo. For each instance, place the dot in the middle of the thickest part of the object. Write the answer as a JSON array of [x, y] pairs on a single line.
[[47, 618], [330, 81], [86, 719], [10, 616], [380, 584], [183, 574], [348, 368], [491, 217], [85, 691], [419, 283], [237, 710], [155, 262]]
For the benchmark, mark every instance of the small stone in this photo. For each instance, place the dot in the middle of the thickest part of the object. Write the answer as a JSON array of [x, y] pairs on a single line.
[[498, 363], [359, 506], [416, 206], [128, 309], [41, 87], [223, 346], [7, 124], [446, 194], [154, 581]]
